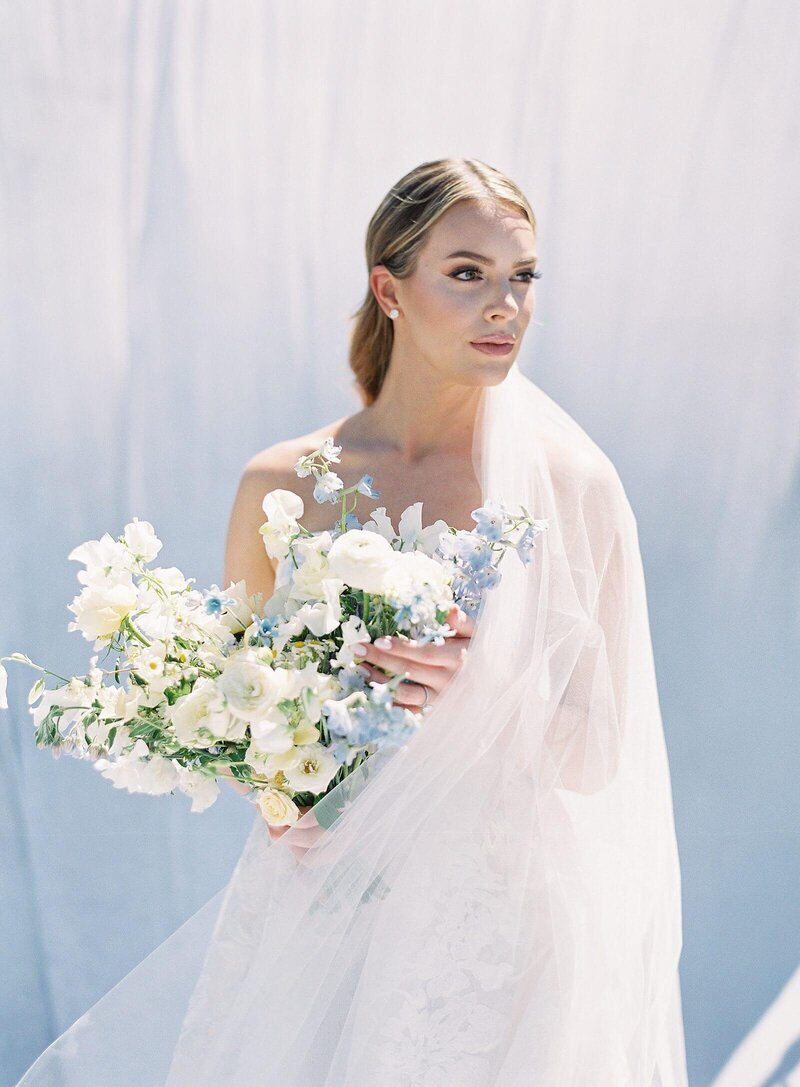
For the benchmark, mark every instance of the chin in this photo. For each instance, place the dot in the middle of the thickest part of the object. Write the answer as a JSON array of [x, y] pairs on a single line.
[[491, 371]]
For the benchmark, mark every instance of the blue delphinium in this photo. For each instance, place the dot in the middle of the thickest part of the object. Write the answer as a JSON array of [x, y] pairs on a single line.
[[364, 486], [216, 601], [489, 521]]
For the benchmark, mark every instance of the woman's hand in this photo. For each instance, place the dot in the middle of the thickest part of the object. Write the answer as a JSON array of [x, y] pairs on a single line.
[[303, 839], [428, 667], [278, 832]]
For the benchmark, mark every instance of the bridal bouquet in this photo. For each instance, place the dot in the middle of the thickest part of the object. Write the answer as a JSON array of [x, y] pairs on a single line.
[[205, 685]]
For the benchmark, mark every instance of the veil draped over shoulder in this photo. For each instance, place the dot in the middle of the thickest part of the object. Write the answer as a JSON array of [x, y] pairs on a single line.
[[497, 904]]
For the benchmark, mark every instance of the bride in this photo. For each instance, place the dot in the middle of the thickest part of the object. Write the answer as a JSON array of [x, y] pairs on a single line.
[[497, 904]]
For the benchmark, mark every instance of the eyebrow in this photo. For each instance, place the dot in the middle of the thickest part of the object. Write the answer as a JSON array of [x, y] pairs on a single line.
[[486, 260]]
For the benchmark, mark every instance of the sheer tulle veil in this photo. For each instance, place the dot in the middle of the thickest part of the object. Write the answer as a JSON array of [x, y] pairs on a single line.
[[497, 903]]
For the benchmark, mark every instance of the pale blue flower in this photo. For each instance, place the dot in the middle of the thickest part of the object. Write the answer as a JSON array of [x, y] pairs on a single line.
[[526, 543], [215, 600], [489, 521], [364, 486]]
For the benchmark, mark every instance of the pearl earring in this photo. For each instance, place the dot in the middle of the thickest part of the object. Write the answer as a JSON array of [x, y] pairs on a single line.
[[394, 313]]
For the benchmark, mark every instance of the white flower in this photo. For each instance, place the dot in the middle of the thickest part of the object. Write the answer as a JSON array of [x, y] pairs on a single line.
[[413, 535], [306, 580], [201, 717], [322, 616], [100, 608], [411, 572], [361, 559], [150, 660], [272, 734], [314, 770], [142, 540], [203, 790], [278, 809], [282, 509], [251, 688], [381, 523], [103, 558], [354, 630]]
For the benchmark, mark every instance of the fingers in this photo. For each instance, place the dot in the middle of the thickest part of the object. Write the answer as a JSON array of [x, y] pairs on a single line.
[[434, 678], [386, 652], [461, 622]]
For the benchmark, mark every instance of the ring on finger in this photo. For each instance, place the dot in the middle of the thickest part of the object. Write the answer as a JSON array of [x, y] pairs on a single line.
[[424, 689]]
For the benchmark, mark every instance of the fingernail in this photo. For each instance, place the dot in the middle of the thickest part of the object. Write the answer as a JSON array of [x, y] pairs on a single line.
[[359, 648], [383, 643]]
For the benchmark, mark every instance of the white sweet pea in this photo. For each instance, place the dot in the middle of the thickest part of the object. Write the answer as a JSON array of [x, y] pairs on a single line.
[[103, 558], [203, 790], [314, 770], [100, 608], [414, 536], [282, 509], [361, 559], [141, 539], [314, 567], [354, 631], [381, 523]]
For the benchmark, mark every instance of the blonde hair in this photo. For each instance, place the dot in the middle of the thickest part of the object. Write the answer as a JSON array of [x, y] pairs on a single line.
[[396, 233]]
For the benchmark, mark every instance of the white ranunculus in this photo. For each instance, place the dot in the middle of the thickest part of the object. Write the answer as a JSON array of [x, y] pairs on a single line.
[[278, 809], [100, 608], [414, 570], [314, 770], [141, 539], [251, 688], [202, 709], [361, 559]]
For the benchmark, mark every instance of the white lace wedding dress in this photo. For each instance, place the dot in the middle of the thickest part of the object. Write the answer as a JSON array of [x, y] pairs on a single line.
[[496, 904]]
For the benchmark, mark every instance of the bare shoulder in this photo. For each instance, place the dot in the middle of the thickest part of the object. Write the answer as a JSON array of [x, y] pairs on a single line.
[[270, 469], [276, 462]]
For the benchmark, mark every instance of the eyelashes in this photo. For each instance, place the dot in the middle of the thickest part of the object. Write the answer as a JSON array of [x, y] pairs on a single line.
[[536, 274]]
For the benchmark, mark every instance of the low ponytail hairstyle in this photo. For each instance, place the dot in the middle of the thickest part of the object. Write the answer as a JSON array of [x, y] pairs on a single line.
[[396, 233]]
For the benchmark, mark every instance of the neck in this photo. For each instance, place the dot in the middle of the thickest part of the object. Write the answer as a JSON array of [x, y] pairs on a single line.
[[420, 412]]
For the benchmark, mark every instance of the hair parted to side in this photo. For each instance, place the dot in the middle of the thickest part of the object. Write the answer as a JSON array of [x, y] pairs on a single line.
[[396, 233]]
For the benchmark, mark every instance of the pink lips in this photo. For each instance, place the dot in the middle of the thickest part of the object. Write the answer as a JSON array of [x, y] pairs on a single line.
[[493, 348]]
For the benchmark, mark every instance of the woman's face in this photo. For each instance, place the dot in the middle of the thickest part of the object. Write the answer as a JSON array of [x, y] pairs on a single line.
[[450, 301]]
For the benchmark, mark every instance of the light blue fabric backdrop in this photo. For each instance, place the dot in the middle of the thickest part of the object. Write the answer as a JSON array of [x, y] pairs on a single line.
[[184, 191]]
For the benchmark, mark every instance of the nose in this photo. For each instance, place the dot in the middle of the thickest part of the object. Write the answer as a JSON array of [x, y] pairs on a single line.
[[504, 306]]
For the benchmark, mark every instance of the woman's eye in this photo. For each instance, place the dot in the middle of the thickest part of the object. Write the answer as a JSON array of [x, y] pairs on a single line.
[[533, 274]]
